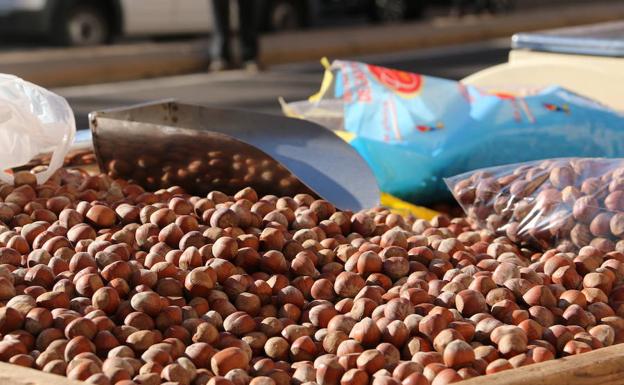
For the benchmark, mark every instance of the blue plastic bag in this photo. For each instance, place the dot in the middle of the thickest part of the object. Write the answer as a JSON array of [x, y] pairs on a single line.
[[415, 130]]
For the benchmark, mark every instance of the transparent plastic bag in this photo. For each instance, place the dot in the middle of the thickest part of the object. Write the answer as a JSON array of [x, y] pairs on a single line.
[[566, 203], [33, 120]]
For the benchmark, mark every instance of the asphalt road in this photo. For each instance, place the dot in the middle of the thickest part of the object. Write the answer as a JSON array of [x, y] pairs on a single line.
[[259, 92]]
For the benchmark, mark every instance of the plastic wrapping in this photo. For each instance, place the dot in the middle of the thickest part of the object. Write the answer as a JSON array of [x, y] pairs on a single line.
[[414, 130], [33, 120], [566, 203]]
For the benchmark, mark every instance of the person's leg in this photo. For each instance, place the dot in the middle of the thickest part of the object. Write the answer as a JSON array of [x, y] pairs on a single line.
[[460, 7], [249, 23], [482, 6], [220, 45], [490, 6]]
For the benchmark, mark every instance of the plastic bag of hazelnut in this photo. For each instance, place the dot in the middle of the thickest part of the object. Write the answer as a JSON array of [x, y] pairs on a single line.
[[565, 203]]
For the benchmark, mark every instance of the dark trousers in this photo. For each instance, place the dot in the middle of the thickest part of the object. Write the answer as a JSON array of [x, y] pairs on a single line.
[[462, 6], [465, 6], [249, 20]]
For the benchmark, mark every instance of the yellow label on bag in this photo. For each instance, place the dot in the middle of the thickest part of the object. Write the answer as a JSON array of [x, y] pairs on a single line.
[[404, 208], [345, 135], [328, 80]]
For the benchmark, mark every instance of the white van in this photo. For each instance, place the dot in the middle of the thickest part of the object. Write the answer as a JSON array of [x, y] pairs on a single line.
[[84, 22]]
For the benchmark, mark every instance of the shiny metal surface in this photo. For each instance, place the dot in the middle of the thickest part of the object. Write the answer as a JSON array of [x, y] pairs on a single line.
[[601, 39], [203, 149]]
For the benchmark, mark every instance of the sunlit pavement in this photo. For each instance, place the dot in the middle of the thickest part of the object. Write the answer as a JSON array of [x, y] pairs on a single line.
[[238, 89]]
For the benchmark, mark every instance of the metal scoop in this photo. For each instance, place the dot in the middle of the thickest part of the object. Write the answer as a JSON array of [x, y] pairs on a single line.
[[202, 149]]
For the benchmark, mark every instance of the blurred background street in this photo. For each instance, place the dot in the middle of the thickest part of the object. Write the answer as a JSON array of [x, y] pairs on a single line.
[[153, 64]]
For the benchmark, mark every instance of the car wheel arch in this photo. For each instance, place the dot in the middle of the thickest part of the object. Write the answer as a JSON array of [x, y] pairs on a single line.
[[111, 10]]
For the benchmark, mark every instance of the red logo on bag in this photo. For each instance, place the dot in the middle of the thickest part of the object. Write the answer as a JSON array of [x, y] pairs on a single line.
[[504, 95], [429, 128], [405, 83]]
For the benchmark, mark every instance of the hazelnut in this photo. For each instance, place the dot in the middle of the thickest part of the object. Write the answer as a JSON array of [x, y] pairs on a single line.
[[458, 354], [470, 302], [228, 359], [101, 216], [370, 361]]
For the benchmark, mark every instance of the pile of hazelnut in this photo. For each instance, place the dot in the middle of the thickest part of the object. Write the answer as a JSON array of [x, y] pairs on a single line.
[[565, 203], [105, 282]]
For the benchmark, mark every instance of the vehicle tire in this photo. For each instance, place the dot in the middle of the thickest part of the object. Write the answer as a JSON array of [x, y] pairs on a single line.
[[82, 25], [284, 15]]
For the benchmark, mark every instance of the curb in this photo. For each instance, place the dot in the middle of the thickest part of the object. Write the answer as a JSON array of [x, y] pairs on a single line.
[[89, 65], [73, 66], [371, 40]]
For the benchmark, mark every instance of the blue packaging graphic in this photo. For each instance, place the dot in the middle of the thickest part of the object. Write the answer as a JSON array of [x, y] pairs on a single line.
[[415, 130]]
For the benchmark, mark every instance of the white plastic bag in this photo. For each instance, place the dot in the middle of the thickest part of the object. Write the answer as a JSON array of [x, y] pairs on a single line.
[[33, 120]]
